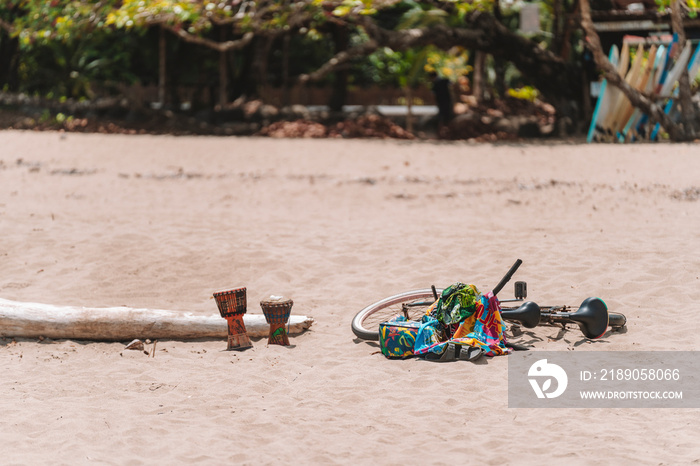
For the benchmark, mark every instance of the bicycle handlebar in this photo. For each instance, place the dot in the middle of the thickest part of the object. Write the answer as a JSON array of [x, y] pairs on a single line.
[[506, 278]]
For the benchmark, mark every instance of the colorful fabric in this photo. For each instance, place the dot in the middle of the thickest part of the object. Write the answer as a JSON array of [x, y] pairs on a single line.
[[429, 338], [397, 337], [456, 303], [481, 327]]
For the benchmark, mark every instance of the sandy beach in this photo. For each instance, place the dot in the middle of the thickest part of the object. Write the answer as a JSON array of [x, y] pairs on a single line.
[[162, 222]]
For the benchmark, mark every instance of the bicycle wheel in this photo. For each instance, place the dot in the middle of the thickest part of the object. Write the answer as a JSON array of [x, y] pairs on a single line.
[[365, 324]]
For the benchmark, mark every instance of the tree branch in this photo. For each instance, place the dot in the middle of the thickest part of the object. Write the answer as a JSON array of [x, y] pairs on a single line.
[[440, 35], [339, 60], [219, 46], [7, 26], [685, 97]]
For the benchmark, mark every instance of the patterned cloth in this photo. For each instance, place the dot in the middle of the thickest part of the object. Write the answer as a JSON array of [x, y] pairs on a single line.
[[477, 317], [397, 337], [456, 303]]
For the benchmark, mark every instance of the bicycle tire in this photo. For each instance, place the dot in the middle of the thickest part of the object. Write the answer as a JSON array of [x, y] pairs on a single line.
[[365, 324]]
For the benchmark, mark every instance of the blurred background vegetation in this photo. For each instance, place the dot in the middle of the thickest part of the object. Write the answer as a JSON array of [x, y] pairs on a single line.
[[213, 55], [82, 50]]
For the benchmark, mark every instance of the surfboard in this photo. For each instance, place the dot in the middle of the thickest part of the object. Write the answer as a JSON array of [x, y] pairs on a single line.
[[659, 78], [668, 63], [615, 94], [693, 66], [671, 79], [646, 84], [624, 108], [603, 102]]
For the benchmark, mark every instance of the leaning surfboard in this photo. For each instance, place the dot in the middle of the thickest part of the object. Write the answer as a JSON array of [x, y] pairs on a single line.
[[671, 80], [664, 67], [603, 103], [623, 109], [693, 66], [629, 133], [615, 94]]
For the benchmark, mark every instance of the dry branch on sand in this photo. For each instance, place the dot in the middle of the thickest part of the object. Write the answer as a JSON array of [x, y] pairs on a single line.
[[34, 320]]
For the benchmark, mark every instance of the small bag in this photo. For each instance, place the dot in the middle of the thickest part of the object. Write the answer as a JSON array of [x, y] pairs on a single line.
[[397, 337]]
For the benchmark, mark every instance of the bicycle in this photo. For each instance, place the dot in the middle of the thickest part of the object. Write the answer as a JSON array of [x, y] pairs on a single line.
[[591, 315]]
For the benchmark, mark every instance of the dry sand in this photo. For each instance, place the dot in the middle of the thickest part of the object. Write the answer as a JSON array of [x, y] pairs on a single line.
[[162, 222]]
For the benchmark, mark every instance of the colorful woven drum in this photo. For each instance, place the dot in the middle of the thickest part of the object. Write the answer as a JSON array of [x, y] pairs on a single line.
[[231, 302], [277, 312], [232, 305]]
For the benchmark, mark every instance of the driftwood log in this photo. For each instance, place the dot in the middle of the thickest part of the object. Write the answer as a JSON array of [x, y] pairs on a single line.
[[33, 320]]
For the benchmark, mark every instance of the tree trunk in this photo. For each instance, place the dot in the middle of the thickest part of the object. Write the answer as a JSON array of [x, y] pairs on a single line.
[[409, 109], [478, 87], [499, 65], [341, 40], [569, 28], [557, 26], [285, 69], [262, 54], [223, 73], [33, 320], [499, 84], [223, 80], [687, 109], [9, 61], [244, 82], [162, 66]]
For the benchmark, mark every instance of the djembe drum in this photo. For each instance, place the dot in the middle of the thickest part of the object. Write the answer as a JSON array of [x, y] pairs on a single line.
[[232, 305], [277, 311]]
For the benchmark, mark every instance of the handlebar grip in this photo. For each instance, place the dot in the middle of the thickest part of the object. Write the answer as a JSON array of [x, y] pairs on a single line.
[[506, 278]]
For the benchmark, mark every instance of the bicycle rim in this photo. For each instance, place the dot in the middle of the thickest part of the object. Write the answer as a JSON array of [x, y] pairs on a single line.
[[365, 325]]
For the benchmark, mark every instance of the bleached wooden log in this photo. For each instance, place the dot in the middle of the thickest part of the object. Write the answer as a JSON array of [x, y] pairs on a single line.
[[33, 320]]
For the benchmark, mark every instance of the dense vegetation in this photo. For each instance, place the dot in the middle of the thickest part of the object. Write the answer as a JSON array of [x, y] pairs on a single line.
[[83, 44], [230, 48]]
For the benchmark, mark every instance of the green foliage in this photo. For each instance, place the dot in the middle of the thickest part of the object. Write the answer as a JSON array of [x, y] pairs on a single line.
[[528, 93], [693, 7], [40, 22], [70, 47], [73, 68], [387, 67], [451, 64], [462, 9], [347, 7], [198, 17], [141, 13], [421, 16]]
